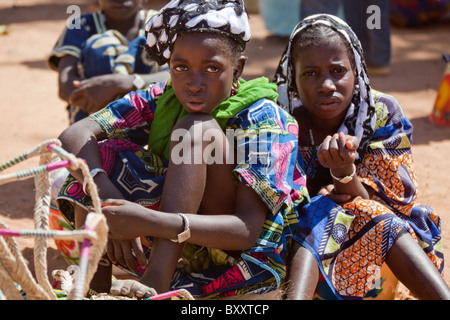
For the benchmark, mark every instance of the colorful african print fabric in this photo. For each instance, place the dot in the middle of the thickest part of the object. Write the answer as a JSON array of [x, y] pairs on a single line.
[[103, 51], [139, 175], [350, 242]]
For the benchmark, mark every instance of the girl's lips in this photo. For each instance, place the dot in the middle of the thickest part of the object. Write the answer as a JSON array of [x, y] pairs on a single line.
[[121, 8], [327, 104], [196, 105]]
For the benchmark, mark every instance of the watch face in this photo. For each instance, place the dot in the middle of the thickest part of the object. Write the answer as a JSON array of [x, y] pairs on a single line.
[[345, 179], [138, 82], [184, 235]]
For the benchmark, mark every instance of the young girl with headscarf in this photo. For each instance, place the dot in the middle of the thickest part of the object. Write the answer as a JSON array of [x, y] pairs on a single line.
[[230, 219], [355, 147]]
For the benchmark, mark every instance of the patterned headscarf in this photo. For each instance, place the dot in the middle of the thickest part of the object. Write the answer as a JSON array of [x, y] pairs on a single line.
[[180, 16], [360, 119]]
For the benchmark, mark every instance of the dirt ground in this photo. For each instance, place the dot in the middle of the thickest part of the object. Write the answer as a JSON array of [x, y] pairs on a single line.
[[31, 112]]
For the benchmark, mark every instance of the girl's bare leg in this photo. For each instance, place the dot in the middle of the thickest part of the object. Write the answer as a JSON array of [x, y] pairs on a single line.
[[413, 268], [189, 187], [303, 274], [406, 260]]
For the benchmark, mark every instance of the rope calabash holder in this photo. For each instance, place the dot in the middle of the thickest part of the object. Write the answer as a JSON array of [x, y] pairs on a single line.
[[75, 281], [13, 267]]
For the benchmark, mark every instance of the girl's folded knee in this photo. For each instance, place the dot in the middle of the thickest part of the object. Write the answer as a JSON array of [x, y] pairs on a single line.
[[199, 120]]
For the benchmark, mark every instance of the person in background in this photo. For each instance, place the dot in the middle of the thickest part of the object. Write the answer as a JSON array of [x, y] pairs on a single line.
[[369, 19], [311, 7], [102, 58]]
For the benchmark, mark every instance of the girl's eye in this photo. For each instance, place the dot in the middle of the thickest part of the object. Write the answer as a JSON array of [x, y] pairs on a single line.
[[212, 69], [340, 70], [180, 68], [308, 73]]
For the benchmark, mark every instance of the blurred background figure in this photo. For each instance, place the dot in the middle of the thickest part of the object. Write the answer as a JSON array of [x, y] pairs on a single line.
[[370, 21], [281, 16], [441, 112], [102, 58], [413, 13]]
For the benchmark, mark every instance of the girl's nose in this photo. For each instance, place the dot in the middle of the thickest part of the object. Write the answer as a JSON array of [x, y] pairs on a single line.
[[327, 85], [196, 82]]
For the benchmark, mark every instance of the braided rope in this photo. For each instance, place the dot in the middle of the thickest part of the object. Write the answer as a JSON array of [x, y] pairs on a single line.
[[181, 294], [74, 282], [91, 254], [66, 278], [12, 264], [41, 222], [27, 155], [9, 290], [16, 267], [76, 235]]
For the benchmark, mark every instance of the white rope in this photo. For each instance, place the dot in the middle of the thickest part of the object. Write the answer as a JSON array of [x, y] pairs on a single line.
[[12, 265]]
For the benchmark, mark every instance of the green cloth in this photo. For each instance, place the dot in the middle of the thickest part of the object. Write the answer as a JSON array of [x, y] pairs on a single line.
[[169, 111]]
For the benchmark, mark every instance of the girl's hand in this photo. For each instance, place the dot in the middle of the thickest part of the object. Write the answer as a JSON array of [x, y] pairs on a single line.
[[330, 192], [126, 219], [126, 252], [95, 93], [125, 245], [338, 151], [131, 288]]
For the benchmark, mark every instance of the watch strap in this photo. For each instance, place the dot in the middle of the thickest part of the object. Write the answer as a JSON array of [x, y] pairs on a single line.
[[345, 179], [186, 234]]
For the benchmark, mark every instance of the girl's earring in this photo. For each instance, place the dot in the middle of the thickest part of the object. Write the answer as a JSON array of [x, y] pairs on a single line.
[[234, 87], [356, 91]]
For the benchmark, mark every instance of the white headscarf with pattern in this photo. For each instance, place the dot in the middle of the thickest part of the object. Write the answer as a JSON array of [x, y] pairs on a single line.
[[180, 16]]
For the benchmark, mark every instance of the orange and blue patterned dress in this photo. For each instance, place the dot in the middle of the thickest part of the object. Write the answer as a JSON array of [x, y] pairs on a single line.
[[350, 242]]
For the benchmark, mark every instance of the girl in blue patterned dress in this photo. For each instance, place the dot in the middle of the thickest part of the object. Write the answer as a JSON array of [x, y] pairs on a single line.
[[200, 169], [100, 57]]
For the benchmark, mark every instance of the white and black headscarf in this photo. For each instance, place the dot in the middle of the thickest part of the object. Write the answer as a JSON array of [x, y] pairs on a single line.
[[360, 119], [180, 16]]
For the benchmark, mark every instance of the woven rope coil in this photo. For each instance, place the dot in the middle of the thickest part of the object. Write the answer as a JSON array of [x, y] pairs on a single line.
[[13, 267], [75, 281]]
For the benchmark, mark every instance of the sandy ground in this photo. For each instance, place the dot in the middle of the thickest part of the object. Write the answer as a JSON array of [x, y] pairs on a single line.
[[31, 112]]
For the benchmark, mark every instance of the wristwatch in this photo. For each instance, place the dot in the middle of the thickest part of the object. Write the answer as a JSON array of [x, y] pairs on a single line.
[[186, 234], [138, 82], [345, 179]]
